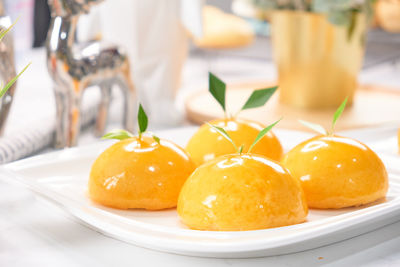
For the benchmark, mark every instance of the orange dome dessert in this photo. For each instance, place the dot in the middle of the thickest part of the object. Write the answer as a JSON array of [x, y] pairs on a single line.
[[337, 172], [139, 173], [241, 192], [207, 144], [238, 192]]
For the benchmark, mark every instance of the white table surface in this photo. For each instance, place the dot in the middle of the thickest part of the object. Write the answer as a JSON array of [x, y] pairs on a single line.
[[35, 233]]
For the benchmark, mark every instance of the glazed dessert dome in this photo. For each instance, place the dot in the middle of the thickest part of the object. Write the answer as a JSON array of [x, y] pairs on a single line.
[[241, 192], [337, 172], [140, 173]]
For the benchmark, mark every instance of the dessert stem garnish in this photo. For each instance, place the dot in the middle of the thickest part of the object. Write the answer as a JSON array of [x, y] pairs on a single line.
[[121, 134], [239, 150], [258, 98], [262, 133], [319, 128], [217, 88], [337, 114], [118, 134], [222, 132], [142, 121]]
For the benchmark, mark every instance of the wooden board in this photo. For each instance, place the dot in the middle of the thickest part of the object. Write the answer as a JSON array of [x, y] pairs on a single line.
[[373, 106]]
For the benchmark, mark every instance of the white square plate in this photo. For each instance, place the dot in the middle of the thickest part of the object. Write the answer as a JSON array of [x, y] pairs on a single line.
[[61, 177]]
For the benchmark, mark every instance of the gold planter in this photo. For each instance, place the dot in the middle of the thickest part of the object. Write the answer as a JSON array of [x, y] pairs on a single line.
[[318, 62]]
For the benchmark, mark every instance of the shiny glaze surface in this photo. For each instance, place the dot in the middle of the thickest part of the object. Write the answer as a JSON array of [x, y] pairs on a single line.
[[241, 192], [137, 173], [207, 144], [337, 172]]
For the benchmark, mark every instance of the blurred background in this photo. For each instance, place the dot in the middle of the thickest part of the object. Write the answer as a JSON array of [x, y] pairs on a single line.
[[316, 52], [383, 40]]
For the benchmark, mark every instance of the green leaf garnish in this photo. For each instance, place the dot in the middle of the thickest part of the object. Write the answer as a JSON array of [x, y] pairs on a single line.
[[13, 80], [338, 112], [142, 120], [5, 31], [314, 126], [241, 149], [217, 88], [259, 97], [222, 132], [118, 134], [123, 134], [156, 138], [262, 133], [320, 129]]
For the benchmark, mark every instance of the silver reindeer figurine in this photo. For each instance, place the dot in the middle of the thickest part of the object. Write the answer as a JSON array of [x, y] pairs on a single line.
[[7, 67], [74, 67]]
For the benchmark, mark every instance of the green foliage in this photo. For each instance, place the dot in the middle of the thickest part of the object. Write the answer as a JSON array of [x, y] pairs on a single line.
[[339, 12], [218, 89], [338, 113], [239, 150], [262, 133], [222, 132], [3, 32], [4, 89], [142, 120], [13, 80], [118, 134], [123, 134], [319, 128], [259, 97], [315, 127], [156, 138]]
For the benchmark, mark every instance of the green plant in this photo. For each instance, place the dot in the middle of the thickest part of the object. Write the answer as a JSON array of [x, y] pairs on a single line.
[[342, 12], [339, 12]]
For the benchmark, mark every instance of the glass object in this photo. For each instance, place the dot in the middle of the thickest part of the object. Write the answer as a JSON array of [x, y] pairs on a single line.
[[317, 62]]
